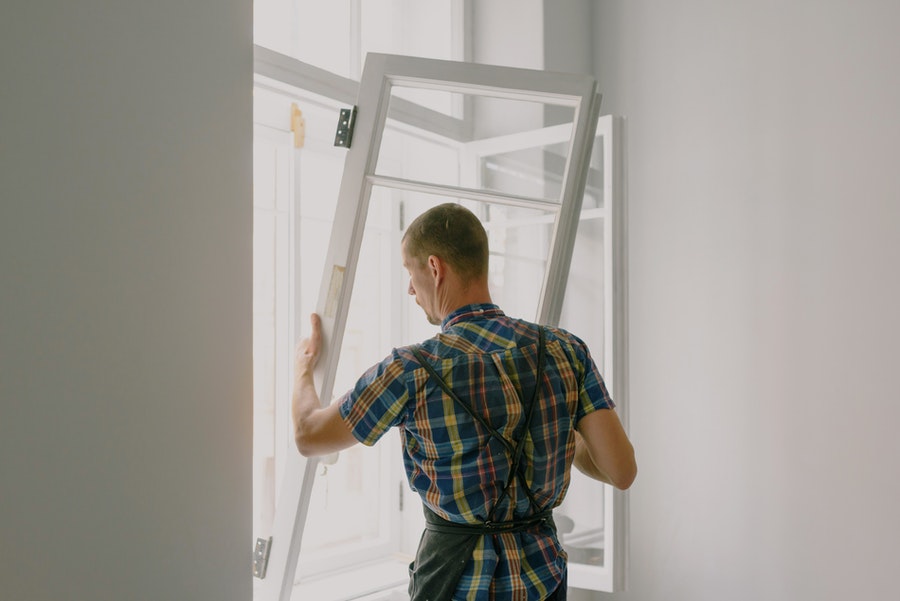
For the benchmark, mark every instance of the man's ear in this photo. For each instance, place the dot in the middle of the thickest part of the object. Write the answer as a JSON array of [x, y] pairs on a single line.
[[436, 267]]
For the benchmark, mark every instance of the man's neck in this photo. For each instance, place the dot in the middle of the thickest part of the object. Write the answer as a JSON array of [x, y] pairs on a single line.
[[473, 295]]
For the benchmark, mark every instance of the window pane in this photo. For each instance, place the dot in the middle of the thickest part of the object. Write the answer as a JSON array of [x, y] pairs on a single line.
[[596, 178], [349, 511], [346, 506], [377, 284], [271, 318], [336, 35], [406, 155], [580, 518], [584, 305], [512, 155], [519, 240], [533, 172], [412, 27], [423, 28], [315, 32], [553, 159]]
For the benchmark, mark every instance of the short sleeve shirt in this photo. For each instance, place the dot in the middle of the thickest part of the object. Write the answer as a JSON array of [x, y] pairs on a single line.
[[489, 360]]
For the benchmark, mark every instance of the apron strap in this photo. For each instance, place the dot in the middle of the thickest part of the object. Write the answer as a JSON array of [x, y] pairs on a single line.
[[515, 452], [436, 523], [516, 464]]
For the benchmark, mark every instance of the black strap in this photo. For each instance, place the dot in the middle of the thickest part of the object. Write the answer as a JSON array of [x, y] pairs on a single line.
[[515, 466], [436, 523], [446, 548], [516, 452]]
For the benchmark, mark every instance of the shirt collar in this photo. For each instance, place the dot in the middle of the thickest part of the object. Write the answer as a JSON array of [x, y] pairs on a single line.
[[470, 312]]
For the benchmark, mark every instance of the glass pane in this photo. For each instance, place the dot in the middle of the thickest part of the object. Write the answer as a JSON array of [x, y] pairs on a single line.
[[315, 32], [349, 508], [422, 28], [336, 35], [524, 165], [271, 318], [519, 240], [346, 504], [533, 172], [414, 157], [584, 305], [520, 245], [580, 518], [367, 336], [596, 178], [318, 181]]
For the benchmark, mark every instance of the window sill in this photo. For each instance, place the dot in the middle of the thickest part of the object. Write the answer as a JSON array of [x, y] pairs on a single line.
[[384, 580]]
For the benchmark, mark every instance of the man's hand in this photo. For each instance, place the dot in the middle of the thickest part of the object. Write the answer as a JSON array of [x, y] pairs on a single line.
[[308, 349], [317, 430]]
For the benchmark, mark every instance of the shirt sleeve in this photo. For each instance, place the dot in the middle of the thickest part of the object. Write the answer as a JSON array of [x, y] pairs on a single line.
[[593, 394], [378, 400]]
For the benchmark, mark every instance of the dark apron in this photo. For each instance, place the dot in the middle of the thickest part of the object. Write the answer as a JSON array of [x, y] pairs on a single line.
[[446, 547]]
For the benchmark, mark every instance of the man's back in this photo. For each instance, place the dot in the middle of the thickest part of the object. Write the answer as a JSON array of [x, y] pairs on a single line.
[[458, 467]]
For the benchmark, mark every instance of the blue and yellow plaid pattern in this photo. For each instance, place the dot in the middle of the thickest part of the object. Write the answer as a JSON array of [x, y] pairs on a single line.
[[489, 360]]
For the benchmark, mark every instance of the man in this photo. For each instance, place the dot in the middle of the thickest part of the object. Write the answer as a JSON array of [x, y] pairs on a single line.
[[493, 411]]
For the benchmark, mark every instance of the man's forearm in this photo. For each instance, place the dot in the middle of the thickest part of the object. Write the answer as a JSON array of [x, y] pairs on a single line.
[[304, 402], [585, 464]]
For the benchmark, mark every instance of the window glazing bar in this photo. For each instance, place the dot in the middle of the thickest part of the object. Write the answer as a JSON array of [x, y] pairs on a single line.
[[528, 202]]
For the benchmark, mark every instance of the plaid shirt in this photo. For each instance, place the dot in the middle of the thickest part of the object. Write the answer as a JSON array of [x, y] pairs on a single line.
[[458, 469]]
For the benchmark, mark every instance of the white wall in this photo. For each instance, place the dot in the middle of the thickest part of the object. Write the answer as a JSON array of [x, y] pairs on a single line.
[[125, 279], [764, 245]]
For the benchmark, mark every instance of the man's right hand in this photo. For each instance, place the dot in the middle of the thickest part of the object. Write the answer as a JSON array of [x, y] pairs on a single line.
[[308, 349]]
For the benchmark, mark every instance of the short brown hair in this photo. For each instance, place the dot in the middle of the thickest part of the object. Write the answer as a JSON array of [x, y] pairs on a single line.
[[453, 233]]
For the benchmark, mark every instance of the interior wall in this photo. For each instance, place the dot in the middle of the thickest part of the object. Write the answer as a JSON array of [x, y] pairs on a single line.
[[764, 243], [125, 329]]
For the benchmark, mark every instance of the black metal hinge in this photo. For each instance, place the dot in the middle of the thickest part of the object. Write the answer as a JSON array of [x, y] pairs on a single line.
[[345, 127]]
